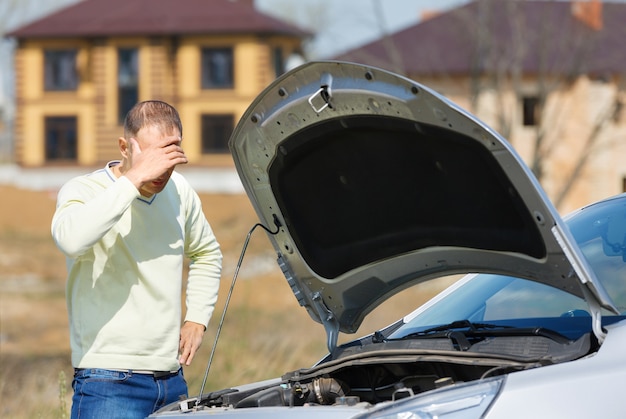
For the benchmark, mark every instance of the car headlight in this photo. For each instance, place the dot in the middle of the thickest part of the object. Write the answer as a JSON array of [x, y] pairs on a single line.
[[459, 401]]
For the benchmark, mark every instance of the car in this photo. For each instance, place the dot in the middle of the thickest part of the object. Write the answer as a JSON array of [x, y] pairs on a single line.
[[369, 183]]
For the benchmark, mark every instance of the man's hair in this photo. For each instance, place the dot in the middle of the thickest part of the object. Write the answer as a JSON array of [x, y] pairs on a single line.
[[152, 113]]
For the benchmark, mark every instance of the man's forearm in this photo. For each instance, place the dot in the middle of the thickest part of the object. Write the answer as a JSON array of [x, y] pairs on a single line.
[[78, 225]]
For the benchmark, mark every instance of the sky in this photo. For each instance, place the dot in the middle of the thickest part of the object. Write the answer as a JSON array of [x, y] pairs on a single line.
[[341, 25]]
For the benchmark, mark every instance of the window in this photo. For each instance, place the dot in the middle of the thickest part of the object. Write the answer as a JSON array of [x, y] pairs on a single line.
[[279, 62], [530, 111], [60, 69], [127, 80], [61, 141], [216, 130], [217, 68]]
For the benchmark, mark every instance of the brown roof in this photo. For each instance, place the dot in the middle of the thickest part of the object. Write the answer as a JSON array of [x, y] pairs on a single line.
[[491, 35], [96, 18]]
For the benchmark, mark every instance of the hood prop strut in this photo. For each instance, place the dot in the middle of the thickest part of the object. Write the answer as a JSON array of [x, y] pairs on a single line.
[[185, 405]]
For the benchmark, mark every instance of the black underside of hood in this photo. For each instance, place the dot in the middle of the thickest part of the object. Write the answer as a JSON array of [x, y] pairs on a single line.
[[371, 183], [360, 189]]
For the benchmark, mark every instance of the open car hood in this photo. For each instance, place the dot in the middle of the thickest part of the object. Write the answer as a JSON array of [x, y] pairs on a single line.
[[373, 183]]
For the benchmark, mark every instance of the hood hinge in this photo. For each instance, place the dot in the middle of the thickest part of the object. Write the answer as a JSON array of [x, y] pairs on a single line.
[[325, 316], [595, 295], [328, 320]]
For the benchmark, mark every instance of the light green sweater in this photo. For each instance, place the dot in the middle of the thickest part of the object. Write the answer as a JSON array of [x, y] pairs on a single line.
[[125, 256]]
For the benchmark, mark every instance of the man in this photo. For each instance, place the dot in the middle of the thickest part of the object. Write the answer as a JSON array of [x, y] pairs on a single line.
[[126, 230]]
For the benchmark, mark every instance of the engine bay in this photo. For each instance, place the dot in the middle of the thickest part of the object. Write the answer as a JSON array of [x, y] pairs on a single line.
[[389, 371]]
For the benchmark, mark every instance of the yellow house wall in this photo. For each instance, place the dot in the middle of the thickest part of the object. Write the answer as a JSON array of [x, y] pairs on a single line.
[[568, 119], [110, 87], [34, 152], [253, 71], [36, 103], [168, 71]]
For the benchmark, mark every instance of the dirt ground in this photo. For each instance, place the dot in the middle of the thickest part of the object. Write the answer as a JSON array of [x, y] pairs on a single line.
[[32, 268], [34, 339], [265, 333]]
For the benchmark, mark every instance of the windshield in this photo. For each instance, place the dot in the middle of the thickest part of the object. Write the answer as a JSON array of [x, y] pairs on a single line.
[[600, 231]]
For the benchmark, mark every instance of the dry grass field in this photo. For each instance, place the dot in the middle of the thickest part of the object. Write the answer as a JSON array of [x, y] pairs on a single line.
[[265, 332]]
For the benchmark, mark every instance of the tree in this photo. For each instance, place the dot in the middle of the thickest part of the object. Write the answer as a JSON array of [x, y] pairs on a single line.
[[330, 20], [540, 65]]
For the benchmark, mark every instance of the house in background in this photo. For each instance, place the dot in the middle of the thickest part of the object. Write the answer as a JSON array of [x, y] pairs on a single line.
[[6, 114], [548, 75], [79, 70]]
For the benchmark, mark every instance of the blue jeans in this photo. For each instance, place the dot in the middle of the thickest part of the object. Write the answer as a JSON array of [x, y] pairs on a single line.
[[107, 394]]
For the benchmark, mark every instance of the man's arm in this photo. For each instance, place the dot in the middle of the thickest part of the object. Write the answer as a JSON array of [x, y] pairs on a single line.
[[191, 335], [151, 162], [84, 214], [203, 280]]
